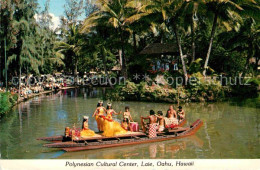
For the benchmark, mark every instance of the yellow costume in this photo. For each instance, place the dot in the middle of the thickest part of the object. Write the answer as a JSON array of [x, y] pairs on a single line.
[[86, 132], [99, 118], [111, 127]]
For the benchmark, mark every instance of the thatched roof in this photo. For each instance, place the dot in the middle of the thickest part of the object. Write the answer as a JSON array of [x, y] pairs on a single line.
[[160, 48]]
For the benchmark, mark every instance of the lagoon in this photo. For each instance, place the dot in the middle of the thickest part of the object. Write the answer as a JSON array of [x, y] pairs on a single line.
[[231, 129]]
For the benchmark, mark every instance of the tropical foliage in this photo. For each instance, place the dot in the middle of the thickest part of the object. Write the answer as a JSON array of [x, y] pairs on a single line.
[[211, 37]]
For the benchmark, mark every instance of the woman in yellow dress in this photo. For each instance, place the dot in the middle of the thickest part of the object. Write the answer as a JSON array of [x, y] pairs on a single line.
[[111, 127], [99, 115], [86, 132]]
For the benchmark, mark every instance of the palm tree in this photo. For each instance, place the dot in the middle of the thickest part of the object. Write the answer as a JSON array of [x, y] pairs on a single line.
[[225, 11], [165, 14], [26, 51], [72, 45], [111, 14], [190, 21], [98, 46], [245, 40]]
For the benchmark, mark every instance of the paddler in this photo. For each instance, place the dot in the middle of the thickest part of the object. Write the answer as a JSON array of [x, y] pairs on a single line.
[[171, 113], [181, 113], [161, 121], [152, 122]]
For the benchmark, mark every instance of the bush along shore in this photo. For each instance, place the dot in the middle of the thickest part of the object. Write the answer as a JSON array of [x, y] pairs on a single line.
[[7, 101], [197, 91]]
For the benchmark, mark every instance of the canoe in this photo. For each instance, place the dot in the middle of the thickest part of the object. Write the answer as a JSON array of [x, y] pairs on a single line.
[[61, 138], [133, 138]]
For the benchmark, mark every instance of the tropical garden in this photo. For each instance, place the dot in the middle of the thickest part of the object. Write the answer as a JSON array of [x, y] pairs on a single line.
[[211, 39]]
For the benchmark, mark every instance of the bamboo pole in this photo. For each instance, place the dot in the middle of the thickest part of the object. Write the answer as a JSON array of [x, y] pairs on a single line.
[[178, 99]]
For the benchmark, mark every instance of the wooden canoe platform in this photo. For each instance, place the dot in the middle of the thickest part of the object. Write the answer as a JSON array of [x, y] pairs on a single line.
[[131, 138], [98, 135]]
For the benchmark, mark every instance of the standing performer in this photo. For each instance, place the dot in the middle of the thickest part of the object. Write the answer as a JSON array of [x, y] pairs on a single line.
[[111, 127], [99, 115], [127, 115]]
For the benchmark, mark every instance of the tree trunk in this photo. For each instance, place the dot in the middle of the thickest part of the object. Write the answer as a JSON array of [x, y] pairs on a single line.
[[213, 30], [249, 56], [105, 66], [181, 55], [124, 70], [134, 39], [120, 58], [193, 39], [20, 75], [76, 70], [124, 63]]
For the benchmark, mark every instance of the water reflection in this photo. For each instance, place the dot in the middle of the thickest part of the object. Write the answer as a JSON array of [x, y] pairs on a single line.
[[158, 150]]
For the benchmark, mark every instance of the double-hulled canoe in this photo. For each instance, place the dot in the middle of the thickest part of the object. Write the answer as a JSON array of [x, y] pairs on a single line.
[[131, 138], [60, 138]]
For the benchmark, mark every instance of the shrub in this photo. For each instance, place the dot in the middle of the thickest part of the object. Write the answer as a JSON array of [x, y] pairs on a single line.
[[5, 102]]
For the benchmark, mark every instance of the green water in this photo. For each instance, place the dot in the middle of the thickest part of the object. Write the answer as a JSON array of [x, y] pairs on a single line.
[[230, 130]]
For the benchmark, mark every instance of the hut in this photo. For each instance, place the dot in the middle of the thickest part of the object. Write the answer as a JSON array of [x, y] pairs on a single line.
[[162, 56]]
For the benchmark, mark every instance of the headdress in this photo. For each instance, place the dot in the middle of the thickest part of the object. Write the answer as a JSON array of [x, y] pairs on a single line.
[[85, 117]]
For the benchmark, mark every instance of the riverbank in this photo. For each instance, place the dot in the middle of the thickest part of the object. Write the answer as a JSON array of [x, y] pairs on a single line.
[[22, 99], [8, 100], [197, 92]]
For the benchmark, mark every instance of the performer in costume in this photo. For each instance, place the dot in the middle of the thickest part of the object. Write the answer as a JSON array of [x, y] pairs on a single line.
[[111, 127], [181, 113], [86, 132], [127, 115], [99, 115]]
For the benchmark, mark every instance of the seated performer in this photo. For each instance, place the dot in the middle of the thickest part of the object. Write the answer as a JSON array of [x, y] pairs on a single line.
[[152, 121], [125, 124], [181, 114], [127, 115], [161, 121], [111, 127], [86, 132], [170, 121], [171, 113], [99, 115]]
